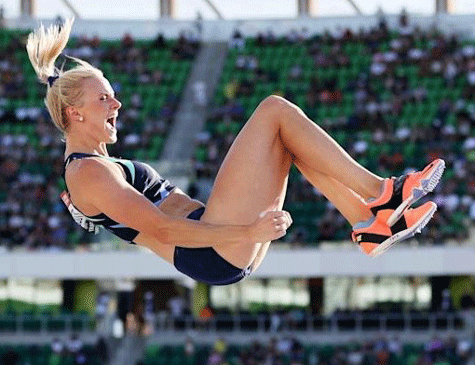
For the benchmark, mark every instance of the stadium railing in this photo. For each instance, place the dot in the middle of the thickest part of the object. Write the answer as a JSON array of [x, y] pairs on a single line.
[[343, 322], [42, 323]]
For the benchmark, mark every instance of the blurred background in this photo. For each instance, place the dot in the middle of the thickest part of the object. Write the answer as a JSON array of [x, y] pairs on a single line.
[[392, 82]]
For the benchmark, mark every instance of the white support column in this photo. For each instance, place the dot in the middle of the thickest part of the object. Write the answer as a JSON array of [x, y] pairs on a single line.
[[304, 7], [28, 8], [444, 6], [167, 8]]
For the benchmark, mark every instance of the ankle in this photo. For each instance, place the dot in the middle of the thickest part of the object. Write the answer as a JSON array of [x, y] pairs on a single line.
[[378, 189], [364, 223]]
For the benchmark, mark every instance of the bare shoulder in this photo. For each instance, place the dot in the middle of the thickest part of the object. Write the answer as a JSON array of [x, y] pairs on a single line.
[[90, 172], [85, 168]]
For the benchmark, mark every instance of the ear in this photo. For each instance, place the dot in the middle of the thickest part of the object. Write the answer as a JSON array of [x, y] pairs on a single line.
[[73, 114]]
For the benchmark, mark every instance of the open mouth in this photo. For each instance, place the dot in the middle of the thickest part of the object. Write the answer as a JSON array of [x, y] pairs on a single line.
[[110, 123]]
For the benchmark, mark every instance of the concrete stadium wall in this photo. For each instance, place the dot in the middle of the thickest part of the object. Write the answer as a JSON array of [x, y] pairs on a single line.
[[401, 261]]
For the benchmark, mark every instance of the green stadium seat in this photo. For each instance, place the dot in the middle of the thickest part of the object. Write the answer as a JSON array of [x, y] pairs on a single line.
[[31, 323], [7, 323], [55, 324]]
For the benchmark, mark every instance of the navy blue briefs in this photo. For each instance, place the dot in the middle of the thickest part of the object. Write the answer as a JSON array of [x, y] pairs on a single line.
[[205, 264]]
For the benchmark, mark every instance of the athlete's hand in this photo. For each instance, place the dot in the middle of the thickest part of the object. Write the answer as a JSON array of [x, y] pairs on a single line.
[[270, 226]]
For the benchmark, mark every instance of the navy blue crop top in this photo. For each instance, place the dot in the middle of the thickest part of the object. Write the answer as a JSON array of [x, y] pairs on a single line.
[[141, 176]]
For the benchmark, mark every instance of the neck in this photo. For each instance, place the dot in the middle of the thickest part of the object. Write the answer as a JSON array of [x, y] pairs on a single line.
[[73, 146]]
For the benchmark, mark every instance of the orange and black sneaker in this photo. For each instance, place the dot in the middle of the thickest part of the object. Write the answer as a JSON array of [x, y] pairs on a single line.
[[375, 237], [401, 192]]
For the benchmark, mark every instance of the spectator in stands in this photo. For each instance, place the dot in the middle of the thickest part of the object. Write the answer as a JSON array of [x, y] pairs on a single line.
[[10, 357], [381, 352], [355, 355], [404, 28], [57, 353], [292, 36], [382, 21], [159, 42], [102, 350], [149, 307], [275, 321], [127, 41], [189, 348], [59, 21], [221, 346], [186, 47], [464, 351], [205, 316], [297, 353], [176, 306], [266, 38], [74, 345], [237, 41], [132, 324], [446, 304], [215, 358], [102, 304], [395, 347]]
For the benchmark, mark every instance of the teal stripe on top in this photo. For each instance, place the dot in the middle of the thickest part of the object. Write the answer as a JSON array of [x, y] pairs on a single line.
[[127, 163]]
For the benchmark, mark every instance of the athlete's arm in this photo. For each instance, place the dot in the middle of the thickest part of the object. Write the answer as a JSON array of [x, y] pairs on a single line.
[[106, 189]]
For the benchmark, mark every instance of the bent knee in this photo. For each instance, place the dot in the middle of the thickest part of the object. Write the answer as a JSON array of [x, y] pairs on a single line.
[[273, 102], [275, 107]]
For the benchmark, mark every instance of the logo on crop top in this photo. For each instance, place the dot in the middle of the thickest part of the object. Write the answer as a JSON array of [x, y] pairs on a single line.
[[79, 218]]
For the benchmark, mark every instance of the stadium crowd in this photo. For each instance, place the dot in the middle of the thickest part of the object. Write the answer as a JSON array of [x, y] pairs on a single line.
[[410, 101], [70, 351], [379, 352], [31, 151], [289, 350], [395, 119]]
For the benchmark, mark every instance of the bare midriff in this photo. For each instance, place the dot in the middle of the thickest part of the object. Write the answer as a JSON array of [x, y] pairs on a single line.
[[177, 204]]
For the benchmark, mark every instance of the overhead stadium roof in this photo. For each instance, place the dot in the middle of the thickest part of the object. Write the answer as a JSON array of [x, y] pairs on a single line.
[[229, 9]]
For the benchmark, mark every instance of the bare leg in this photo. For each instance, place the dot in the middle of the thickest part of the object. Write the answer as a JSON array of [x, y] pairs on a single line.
[[311, 145], [349, 204], [252, 179], [254, 173], [262, 252]]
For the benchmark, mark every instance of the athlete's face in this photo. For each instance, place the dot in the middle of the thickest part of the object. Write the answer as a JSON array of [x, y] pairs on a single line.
[[99, 110]]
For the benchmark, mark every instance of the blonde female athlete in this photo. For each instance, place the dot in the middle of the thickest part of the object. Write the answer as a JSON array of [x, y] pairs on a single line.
[[226, 240]]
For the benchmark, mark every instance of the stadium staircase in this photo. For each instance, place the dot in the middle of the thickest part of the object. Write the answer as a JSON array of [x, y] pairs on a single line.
[[176, 160], [131, 350]]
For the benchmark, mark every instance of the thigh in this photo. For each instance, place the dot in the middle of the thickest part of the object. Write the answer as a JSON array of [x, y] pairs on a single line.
[[252, 179]]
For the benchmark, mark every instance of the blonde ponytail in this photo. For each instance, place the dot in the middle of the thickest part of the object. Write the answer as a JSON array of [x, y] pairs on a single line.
[[45, 45], [65, 87]]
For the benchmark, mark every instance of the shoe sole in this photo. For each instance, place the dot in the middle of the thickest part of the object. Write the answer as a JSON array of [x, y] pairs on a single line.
[[407, 233], [424, 187]]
